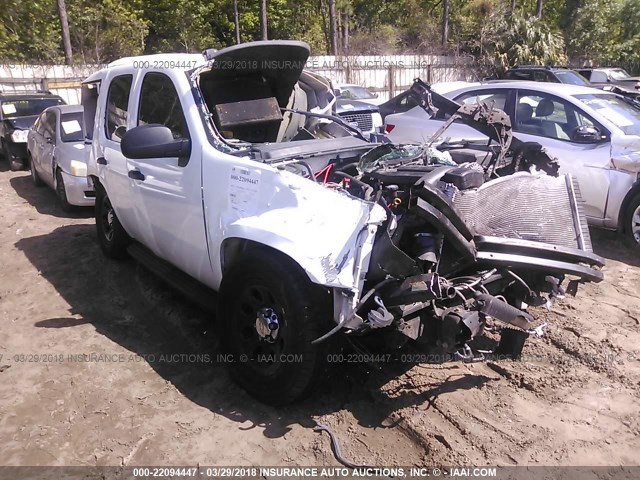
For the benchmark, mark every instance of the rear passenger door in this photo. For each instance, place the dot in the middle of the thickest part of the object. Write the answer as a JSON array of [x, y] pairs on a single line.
[[168, 195], [48, 147]]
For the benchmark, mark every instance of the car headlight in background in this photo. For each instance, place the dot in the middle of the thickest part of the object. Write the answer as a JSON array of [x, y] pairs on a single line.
[[19, 136], [78, 168], [376, 121]]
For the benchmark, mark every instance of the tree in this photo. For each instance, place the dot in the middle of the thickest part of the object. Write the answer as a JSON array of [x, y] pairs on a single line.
[[236, 21], [539, 9], [445, 21], [263, 19], [333, 27], [64, 28]]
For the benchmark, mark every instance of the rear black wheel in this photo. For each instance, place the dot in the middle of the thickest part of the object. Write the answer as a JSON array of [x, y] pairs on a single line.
[[269, 313], [61, 192], [112, 237]]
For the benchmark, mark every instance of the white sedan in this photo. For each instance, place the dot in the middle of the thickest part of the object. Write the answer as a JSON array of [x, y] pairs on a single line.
[[595, 136], [57, 155]]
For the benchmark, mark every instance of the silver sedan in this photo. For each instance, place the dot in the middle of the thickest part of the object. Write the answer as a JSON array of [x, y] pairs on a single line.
[[595, 136], [57, 155]]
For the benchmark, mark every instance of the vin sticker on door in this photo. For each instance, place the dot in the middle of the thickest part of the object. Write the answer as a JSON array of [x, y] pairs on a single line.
[[243, 189]]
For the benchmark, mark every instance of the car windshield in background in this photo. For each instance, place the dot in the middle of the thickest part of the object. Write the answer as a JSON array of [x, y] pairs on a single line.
[[623, 115], [71, 127], [619, 74], [27, 106], [572, 78], [356, 93]]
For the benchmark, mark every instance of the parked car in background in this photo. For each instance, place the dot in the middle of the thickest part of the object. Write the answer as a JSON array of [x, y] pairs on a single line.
[[615, 76], [348, 91], [364, 116], [57, 155], [595, 136], [18, 111], [540, 73]]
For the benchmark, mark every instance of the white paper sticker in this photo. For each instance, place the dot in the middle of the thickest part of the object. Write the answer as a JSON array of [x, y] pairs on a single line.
[[614, 117], [347, 106], [8, 108], [244, 185], [72, 126]]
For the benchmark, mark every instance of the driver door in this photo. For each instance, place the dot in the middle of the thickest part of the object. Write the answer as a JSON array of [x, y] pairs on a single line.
[[551, 121]]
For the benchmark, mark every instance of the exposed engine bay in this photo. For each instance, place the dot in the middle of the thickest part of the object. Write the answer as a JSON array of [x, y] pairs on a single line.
[[474, 231]]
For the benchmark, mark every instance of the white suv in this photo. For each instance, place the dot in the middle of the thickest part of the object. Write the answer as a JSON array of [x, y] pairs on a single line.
[[227, 173]]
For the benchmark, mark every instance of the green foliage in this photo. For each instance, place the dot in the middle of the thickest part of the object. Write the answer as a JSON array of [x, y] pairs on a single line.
[[527, 40], [597, 31]]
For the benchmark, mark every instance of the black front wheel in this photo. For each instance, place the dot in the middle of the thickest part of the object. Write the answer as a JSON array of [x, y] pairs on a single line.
[[269, 313], [61, 192], [112, 237], [35, 178]]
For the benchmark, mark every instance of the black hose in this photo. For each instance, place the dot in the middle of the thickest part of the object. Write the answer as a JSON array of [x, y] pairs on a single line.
[[336, 448]]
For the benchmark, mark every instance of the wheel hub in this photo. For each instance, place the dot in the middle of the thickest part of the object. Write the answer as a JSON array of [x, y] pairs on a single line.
[[267, 324], [110, 217], [635, 224]]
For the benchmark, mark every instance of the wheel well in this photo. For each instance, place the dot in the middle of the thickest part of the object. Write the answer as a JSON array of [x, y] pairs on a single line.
[[635, 190], [234, 248]]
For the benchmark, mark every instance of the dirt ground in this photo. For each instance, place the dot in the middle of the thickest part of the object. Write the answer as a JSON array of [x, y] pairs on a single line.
[[101, 364]]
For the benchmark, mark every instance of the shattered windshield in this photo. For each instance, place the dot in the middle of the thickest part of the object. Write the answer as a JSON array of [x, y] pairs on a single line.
[[622, 114]]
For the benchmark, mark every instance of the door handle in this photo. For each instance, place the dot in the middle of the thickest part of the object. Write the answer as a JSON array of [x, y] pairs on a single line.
[[136, 175], [101, 161]]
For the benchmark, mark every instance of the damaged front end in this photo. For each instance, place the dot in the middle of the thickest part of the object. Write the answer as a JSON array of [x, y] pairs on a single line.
[[473, 232]]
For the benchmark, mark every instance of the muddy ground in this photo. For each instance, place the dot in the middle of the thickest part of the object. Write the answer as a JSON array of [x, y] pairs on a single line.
[[574, 401]]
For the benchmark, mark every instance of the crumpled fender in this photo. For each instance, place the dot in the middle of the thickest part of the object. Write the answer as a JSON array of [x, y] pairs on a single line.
[[625, 153], [320, 229]]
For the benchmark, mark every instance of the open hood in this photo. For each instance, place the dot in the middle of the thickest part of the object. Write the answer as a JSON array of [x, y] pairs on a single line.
[[253, 70]]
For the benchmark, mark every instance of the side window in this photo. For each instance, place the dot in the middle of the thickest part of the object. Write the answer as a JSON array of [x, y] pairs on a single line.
[[547, 116], [37, 125], [541, 76], [159, 103], [49, 126], [117, 105]]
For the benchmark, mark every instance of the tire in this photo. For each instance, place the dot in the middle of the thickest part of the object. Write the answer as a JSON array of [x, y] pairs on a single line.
[[35, 178], [266, 282], [632, 220], [15, 165], [61, 193], [112, 237]]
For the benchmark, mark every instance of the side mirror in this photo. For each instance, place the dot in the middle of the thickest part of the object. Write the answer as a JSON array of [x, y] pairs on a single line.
[[375, 95], [585, 134], [154, 141]]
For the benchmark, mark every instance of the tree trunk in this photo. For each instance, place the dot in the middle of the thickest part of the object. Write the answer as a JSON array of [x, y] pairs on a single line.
[[345, 32], [513, 6], [263, 19], [445, 21], [539, 9], [333, 24], [66, 38], [236, 21]]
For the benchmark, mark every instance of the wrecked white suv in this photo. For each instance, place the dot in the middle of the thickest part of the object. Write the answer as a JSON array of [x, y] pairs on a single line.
[[226, 172]]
